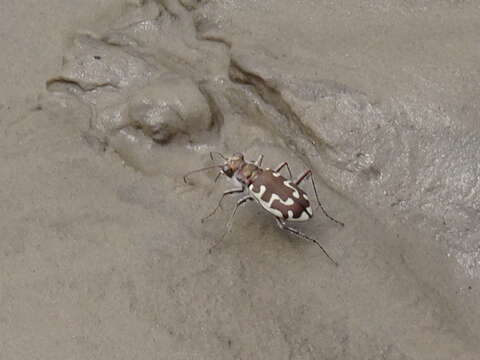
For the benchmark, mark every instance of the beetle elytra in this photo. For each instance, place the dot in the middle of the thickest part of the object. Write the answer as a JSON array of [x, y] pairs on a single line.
[[281, 197]]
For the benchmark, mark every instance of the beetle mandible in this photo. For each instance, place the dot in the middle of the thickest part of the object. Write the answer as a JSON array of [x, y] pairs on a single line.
[[281, 197]]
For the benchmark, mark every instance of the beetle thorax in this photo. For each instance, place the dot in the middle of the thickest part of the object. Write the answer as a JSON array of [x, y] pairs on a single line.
[[247, 173]]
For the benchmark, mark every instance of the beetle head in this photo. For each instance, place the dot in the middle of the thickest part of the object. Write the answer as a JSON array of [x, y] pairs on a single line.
[[232, 164], [228, 168]]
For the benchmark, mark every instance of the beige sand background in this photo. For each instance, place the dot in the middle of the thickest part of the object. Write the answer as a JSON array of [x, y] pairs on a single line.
[[102, 251]]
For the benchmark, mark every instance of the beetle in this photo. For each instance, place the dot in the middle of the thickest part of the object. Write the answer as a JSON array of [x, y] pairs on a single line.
[[281, 197]]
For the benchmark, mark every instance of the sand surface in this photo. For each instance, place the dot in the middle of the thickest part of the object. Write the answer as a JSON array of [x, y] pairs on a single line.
[[106, 104]]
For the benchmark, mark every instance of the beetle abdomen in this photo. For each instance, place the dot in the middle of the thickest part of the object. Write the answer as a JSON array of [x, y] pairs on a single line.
[[280, 196]]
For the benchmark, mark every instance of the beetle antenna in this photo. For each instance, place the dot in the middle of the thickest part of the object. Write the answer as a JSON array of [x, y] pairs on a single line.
[[217, 153], [198, 170]]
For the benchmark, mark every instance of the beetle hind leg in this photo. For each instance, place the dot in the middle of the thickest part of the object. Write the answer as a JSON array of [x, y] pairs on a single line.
[[282, 225], [303, 177]]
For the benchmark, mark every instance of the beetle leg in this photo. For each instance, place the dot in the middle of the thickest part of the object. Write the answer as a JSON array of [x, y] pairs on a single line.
[[229, 223], [237, 205], [281, 224], [280, 166], [302, 176], [219, 205], [259, 160], [300, 179]]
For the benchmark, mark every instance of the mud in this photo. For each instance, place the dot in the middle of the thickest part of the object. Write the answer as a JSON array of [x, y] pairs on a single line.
[[104, 254]]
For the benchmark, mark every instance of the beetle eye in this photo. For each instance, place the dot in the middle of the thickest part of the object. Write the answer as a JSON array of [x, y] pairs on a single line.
[[227, 171]]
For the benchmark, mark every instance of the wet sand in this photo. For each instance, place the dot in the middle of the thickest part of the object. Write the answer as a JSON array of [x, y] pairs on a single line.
[[107, 104]]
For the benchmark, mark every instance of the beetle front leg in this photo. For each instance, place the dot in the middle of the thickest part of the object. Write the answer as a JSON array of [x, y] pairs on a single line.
[[303, 177], [282, 225], [259, 160], [282, 165], [219, 205]]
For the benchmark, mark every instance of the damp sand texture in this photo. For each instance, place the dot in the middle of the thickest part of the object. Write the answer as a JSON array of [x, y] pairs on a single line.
[[106, 104]]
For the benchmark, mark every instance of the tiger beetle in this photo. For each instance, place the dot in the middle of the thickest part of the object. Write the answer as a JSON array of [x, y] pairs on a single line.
[[281, 197]]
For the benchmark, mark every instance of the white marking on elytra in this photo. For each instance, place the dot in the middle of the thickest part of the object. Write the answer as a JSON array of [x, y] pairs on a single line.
[[290, 213], [276, 174], [268, 205], [287, 202], [289, 184], [305, 196], [303, 217]]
